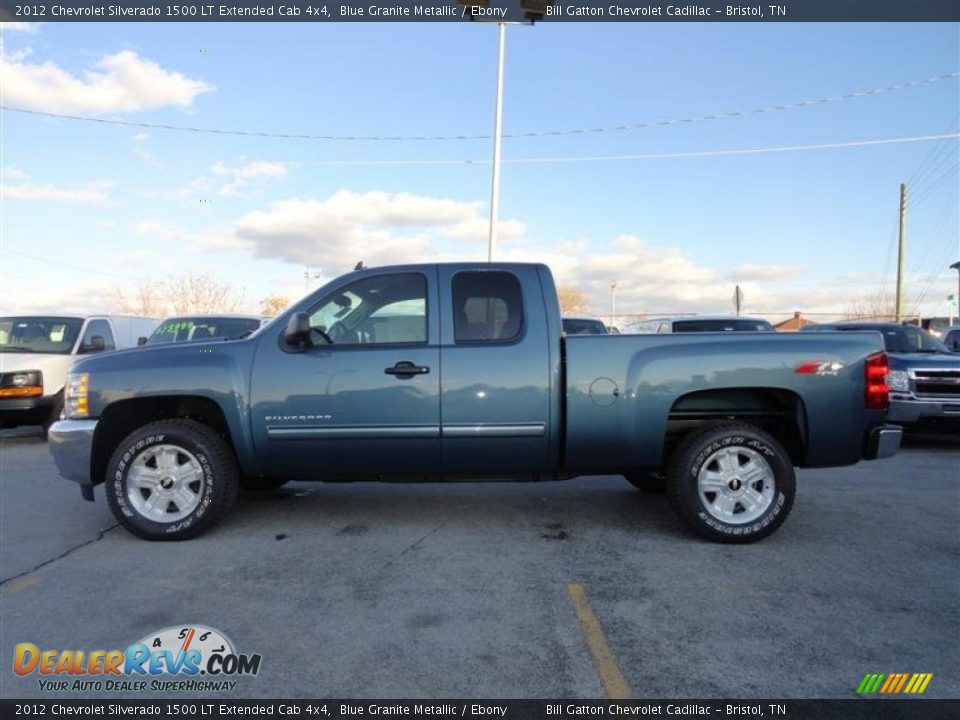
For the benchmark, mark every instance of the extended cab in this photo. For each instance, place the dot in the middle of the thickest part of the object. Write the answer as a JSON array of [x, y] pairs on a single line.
[[450, 372], [36, 351]]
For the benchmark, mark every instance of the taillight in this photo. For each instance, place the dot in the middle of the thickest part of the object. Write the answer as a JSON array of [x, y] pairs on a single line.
[[877, 395]]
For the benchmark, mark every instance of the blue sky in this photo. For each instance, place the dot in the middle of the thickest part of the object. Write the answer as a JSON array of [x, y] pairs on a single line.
[[811, 230]]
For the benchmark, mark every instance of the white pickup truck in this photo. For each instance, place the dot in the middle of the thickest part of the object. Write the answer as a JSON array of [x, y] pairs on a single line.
[[36, 351]]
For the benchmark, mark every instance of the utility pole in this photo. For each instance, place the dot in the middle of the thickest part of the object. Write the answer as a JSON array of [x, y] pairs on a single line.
[[903, 240], [497, 130]]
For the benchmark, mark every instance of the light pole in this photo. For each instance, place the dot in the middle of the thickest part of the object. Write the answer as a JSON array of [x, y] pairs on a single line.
[[956, 266], [533, 10], [497, 134]]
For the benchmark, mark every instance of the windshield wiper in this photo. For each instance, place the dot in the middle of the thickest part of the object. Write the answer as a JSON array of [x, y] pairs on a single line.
[[16, 348]]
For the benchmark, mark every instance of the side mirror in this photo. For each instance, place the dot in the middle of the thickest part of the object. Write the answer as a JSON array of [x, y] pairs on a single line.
[[297, 333], [96, 344], [142, 340]]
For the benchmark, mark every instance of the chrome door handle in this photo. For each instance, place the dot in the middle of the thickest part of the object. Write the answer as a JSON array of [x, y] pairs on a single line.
[[405, 368]]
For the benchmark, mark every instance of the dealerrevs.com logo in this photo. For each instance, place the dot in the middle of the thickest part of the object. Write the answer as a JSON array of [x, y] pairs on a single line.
[[181, 658]]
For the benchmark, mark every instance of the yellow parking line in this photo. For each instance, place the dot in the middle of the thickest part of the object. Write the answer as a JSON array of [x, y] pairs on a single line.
[[603, 658], [16, 586]]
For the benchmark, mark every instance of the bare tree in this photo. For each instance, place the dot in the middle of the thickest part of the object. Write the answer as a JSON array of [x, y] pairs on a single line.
[[145, 298], [273, 305], [190, 294], [573, 301], [186, 294], [872, 307]]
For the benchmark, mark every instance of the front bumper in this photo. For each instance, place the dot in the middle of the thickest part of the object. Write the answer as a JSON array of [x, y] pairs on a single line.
[[71, 444], [915, 411], [26, 411], [883, 441]]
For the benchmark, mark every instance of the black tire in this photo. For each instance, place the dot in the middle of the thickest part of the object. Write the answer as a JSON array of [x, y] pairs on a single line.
[[769, 462], [262, 485], [54, 414], [205, 454], [651, 482]]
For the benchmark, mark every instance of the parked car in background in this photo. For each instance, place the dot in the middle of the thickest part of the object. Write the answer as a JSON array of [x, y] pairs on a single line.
[[951, 339], [700, 323], [194, 328], [924, 376], [36, 352], [938, 326], [583, 326]]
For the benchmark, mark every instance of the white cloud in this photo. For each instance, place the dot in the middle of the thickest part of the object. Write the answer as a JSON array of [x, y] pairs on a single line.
[[160, 230], [377, 227], [478, 228], [239, 177], [27, 27], [11, 173], [140, 137], [148, 159], [121, 82], [97, 191], [766, 272]]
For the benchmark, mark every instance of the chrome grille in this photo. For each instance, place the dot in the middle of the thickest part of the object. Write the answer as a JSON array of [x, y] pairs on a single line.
[[933, 383]]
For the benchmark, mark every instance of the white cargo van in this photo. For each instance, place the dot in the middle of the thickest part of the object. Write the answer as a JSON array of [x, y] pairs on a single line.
[[36, 351]]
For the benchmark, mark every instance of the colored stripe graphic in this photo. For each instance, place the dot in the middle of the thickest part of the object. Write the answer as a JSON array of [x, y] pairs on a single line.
[[894, 683]]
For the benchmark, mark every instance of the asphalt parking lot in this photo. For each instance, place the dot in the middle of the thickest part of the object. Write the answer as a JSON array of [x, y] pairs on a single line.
[[388, 591]]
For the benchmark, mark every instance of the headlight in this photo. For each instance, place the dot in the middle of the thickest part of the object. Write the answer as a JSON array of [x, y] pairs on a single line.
[[27, 383], [898, 380], [76, 395]]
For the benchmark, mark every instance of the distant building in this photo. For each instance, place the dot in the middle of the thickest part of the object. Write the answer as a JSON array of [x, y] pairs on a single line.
[[793, 324]]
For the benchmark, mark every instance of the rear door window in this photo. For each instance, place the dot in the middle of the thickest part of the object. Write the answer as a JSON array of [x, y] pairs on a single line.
[[487, 307]]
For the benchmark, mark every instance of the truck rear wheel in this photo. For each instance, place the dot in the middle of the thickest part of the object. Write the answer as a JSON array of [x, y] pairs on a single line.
[[171, 480], [731, 482]]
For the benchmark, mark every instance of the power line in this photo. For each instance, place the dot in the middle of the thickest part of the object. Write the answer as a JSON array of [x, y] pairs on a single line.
[[924, 167], [647, 156], [928, 189], [63, 264], [533, 134]]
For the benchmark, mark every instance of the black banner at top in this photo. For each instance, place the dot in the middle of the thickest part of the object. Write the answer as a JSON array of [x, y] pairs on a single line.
[[479, 10]]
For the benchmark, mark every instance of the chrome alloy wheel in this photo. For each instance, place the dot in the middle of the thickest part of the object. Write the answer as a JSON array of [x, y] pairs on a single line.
[[736, 485], [165, 483]]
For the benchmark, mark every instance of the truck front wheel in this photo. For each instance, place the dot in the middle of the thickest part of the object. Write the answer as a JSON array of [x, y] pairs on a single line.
[[731, 482], [171, 480]]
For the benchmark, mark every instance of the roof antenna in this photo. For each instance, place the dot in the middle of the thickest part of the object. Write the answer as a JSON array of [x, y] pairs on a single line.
[[358, 266]]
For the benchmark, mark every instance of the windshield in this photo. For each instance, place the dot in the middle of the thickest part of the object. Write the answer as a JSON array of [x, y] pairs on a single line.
[[47, 335], [584, 327], [195, 329], [733, 325], [911, 340]]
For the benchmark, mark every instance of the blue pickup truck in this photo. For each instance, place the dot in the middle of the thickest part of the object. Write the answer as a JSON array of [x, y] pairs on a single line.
[[457, 372], [924, 374]]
